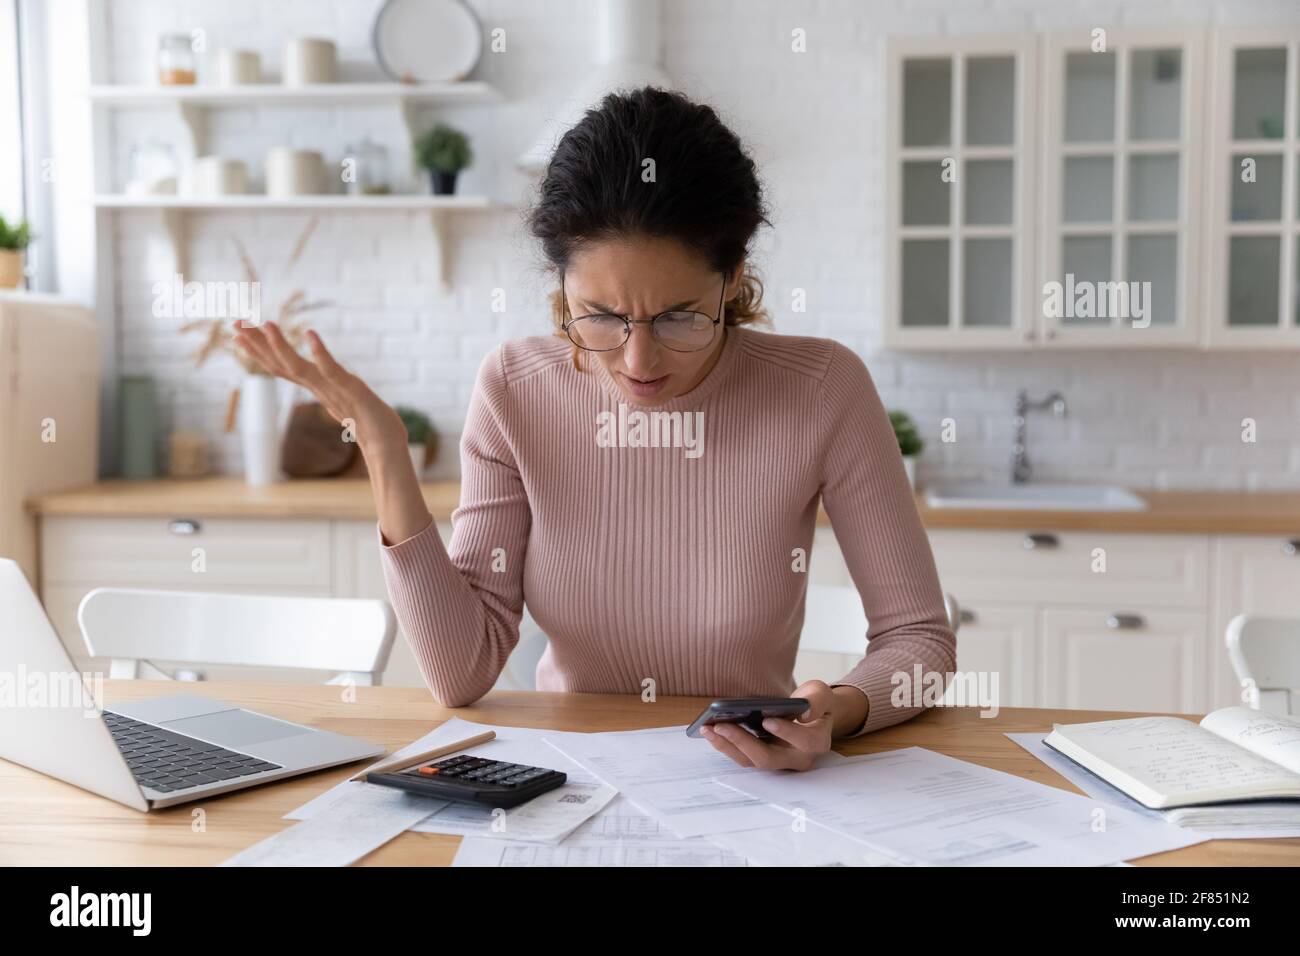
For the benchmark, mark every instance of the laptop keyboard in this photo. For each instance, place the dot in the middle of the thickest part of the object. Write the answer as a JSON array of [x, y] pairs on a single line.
[[167, 761]]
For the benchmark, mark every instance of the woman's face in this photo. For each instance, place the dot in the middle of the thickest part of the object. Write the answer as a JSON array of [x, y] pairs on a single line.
[[640, 278]]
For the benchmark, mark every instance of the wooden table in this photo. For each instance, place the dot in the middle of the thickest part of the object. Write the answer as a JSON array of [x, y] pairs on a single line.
[[47, 822]]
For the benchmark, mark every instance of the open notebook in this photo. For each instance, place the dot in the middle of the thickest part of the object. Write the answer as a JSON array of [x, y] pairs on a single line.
[[1163, 762]]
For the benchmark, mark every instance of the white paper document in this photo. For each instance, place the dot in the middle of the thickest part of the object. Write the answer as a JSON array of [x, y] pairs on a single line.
[[1096, 787], [677, 779], [926, 807], [544, 819], [621, 835], [343, 832]]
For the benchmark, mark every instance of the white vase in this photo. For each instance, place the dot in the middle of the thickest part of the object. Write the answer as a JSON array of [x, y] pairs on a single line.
[[259, 429], [909, 464], [417, 459]]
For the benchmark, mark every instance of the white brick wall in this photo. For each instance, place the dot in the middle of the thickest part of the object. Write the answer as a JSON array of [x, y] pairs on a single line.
[[1154, 419]]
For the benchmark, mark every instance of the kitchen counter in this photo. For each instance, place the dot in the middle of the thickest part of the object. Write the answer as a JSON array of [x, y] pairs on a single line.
[[1205, 512]]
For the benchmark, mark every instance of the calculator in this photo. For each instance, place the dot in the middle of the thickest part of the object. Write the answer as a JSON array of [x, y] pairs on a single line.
[[490, 783]]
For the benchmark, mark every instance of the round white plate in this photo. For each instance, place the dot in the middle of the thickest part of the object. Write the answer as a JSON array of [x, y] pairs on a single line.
[[427, 41]]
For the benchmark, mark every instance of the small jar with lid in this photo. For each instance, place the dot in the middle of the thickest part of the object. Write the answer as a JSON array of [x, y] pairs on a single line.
[[176, 62], [370, 170]]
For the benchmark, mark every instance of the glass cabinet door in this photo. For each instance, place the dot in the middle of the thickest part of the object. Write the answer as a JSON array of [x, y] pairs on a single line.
[[1117, 221], [1256, 145], [957, 191]]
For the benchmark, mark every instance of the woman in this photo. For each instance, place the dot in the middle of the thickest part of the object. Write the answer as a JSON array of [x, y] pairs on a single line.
[[649, 477]]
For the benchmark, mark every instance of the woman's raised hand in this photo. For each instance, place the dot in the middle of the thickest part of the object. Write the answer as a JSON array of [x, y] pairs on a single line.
[[347, 398]]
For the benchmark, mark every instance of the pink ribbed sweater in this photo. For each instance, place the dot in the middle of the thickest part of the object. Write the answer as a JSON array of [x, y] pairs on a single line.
[[663, 562]]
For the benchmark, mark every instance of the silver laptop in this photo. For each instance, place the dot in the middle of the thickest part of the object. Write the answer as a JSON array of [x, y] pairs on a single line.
[[147, 754]]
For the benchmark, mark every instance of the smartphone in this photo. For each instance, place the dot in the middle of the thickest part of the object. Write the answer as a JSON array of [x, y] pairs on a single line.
[[749, 712]]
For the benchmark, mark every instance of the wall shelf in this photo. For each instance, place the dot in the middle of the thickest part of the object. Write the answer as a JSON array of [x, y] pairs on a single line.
[[191, 103], [172, 210]]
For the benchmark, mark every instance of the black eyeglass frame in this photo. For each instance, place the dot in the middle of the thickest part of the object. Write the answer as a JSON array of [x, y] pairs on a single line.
[[569, 322]]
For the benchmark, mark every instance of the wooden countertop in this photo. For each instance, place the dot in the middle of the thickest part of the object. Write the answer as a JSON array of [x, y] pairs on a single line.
[[1203, 512], [46, 822]]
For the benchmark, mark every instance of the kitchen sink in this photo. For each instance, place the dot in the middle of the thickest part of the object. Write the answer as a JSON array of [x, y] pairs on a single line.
[[1045, 496]]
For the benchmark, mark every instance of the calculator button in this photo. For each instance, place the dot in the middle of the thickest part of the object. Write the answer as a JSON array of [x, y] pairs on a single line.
[[428, 771]]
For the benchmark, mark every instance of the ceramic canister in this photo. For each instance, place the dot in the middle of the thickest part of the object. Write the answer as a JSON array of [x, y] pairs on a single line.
[[294, 172], [308, 60], [217, 176], [238, 68]]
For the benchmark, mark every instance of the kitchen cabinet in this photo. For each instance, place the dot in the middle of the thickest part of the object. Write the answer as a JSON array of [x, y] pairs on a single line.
[[1002, 640], [1144, 633], [1124, 660], [1252, 257], [1256, 574], [959, 162], [1031, 179], [1121, 185]]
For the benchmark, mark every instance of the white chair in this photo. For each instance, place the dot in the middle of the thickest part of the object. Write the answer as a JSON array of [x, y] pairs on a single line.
[[1265, 654], [834, 622], [132, 627]]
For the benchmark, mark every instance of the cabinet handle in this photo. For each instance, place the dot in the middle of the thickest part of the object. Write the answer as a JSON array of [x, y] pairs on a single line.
[[1125, 622], [967, 616], [1291, 547], [1041, 540], [184, 526]]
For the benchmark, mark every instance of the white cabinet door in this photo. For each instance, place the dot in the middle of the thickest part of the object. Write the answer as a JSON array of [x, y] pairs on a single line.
[[1255, 574], [358, 574], [1002, 641], [1251, 252], [1126, 659], [959, 161], [1122, 187], [1073, 567]]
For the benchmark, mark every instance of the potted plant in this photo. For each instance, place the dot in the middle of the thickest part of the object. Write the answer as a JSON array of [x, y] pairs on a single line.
[[419, 436], [909, 442], [444, 151], [13, 240]]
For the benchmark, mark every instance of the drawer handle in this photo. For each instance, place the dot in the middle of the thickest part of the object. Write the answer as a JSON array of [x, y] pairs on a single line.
[[1125, 622], [1291, 547], [1036, 540], [967, 616], [184, 526]]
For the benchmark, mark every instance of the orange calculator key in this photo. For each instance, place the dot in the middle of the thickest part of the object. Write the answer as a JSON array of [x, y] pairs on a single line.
[[428, 771]]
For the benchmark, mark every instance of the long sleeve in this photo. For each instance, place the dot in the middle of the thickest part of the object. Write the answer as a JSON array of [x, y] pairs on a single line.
[[872, 509], [460, 606]]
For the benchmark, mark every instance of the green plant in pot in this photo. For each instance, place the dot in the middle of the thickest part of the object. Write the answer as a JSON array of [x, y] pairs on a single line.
[[444, 151], [909, 441], [13, 240], [421, 439]]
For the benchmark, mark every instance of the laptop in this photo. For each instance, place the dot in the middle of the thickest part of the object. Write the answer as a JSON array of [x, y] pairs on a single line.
[[146, 754]]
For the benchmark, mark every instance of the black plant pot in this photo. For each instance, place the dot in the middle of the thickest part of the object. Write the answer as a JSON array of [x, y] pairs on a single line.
[[444, 183]]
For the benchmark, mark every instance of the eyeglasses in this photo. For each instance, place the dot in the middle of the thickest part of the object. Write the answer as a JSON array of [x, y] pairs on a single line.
[[680, 331]]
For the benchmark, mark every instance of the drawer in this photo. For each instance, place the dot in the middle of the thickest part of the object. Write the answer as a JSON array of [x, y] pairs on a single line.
[[237, 553], [1046, 567]]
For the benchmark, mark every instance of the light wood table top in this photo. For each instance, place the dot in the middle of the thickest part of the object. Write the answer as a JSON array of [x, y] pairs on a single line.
[[47, 822], [1195, 512]]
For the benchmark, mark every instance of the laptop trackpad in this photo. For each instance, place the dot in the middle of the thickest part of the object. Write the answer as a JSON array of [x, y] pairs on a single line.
[[234, 728]]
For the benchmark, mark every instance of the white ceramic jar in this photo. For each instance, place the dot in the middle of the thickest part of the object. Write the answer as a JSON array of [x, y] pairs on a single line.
[[218, 176], [294, 172], [308, 60], [238, 68]]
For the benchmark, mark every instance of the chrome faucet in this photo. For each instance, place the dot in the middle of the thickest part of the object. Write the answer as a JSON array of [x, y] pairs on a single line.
[[1020, 467]]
